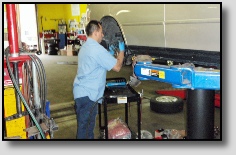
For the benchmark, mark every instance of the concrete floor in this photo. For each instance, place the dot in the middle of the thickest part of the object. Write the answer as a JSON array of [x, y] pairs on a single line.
[[60, 79]]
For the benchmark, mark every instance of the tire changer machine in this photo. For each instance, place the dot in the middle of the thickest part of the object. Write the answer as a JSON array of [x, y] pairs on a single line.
[[26, 110], [200, 83]]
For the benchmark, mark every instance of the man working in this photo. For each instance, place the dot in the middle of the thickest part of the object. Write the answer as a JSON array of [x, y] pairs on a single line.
[[93, 63]]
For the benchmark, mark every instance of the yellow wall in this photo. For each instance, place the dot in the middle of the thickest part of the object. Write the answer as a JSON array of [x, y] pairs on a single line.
[[51, 13]]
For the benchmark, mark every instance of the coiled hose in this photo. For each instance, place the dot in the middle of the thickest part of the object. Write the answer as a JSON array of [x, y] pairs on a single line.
[[20, 94]]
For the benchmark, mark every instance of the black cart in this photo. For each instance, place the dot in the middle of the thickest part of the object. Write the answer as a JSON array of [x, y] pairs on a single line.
[[115, 90]]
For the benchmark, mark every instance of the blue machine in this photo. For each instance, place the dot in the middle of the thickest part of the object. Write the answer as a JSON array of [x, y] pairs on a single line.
[[180, 76], [200, 83]]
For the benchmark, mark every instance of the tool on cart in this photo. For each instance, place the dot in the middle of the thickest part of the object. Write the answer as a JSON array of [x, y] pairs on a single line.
[[26, 109], [115, 83], [200, 83]]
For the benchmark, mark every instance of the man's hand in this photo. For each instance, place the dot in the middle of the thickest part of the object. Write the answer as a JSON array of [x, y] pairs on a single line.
[[111, 50], [121, 46]]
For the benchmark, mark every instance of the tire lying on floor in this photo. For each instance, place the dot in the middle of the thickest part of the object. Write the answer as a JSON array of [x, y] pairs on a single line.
[[166, 104]]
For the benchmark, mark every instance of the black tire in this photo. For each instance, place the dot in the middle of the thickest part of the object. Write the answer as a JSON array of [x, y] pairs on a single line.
[[166, 104]]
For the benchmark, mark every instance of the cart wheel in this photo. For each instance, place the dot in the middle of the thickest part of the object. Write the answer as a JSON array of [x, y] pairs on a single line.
[[166, 104]]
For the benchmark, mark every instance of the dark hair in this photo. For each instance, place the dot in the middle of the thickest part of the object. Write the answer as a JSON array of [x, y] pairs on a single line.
[[92, 26]]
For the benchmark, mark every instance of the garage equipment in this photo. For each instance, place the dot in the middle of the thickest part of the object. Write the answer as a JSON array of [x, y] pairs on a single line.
[[52, 46], [118, 91], [26, 110], [200, 83]]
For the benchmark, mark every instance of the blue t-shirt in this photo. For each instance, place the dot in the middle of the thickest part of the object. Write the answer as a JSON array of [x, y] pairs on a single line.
[[93, 63]]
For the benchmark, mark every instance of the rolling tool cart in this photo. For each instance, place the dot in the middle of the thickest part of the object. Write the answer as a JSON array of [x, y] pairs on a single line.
[[118, 91]]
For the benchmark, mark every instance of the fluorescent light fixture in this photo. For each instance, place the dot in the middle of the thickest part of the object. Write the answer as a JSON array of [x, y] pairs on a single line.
[[122, 11]]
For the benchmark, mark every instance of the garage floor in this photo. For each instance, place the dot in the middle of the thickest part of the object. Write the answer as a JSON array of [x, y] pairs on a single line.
[[60, 79]]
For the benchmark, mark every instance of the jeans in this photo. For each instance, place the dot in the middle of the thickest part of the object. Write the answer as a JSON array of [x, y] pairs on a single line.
[[86, 112]]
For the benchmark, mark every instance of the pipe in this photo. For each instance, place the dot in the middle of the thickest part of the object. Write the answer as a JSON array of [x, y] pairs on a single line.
[[36, 95], [35, 88], [200, 114], [12, 30], [18, 101]]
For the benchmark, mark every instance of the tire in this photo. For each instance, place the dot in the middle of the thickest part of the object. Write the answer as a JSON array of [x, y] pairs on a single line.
[[166, 104]]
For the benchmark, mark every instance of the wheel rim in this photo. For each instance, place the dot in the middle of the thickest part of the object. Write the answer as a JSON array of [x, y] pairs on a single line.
[[166, 99]]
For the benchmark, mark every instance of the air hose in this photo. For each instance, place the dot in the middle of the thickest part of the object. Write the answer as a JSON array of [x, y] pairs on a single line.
[[20, 94], [42, 79]]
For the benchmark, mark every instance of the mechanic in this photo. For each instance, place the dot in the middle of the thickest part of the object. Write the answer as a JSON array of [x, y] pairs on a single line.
[[89, 84]]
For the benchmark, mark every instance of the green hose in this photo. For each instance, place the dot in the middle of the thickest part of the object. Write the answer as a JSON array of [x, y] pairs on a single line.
[[22, 97]]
